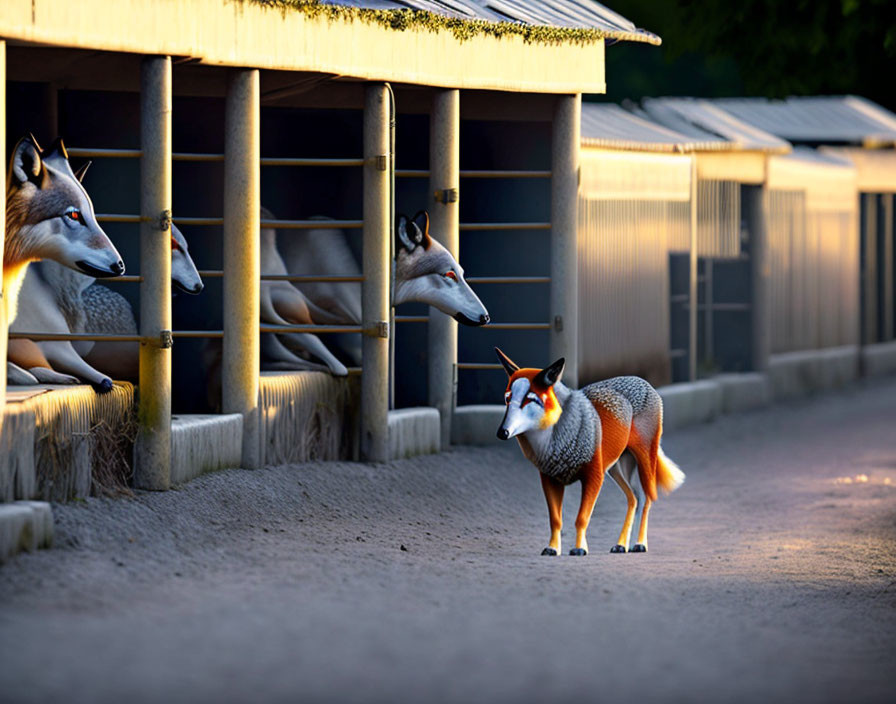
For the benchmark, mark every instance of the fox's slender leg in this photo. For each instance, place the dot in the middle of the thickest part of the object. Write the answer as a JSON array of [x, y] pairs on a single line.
[[592, 479], [619, 478], [553, 494], [641, 545]]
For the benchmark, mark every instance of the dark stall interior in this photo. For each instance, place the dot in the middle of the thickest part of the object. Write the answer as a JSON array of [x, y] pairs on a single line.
[[317, 119]]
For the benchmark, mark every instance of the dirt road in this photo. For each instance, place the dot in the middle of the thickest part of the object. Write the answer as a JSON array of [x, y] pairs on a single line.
[[770, 578]]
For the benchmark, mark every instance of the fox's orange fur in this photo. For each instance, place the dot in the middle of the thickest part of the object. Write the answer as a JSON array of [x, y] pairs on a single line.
[[610, 427]]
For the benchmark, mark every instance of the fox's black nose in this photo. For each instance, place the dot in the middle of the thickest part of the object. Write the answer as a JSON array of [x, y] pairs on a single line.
[[117, 268], [483, 319], [503, 434], [198, 287]]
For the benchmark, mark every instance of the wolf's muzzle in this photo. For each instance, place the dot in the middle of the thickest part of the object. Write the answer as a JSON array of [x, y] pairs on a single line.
[[116, 269], [464, 320]]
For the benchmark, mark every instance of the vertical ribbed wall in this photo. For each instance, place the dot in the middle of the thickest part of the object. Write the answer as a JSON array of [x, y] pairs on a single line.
[[630, 206], [814, 255], [718, 218]]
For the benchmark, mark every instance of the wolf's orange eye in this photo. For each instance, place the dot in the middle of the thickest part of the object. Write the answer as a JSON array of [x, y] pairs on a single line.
[[450, 275], [73, 214]]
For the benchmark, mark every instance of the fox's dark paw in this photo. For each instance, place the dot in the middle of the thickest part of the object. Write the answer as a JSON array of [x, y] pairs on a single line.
[[618, 548], [104, 387], [578, 552], [549, 551], [638, 547]]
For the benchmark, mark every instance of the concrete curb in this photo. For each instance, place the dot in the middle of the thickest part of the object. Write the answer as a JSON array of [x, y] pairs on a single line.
[[796, 374], [476, 424], [25, 525], [690, 403], [204, 443], [879, 359], [414, 431]]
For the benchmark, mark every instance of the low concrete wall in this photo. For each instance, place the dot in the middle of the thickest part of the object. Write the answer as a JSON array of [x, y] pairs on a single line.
[[477, 424], [879, 359], [414, 431], [744, 392], [797, 374], [204, 443], [25, 525], [694, 402]]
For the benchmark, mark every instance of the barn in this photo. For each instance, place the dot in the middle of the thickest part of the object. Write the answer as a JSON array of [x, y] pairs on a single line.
[[203, 111]]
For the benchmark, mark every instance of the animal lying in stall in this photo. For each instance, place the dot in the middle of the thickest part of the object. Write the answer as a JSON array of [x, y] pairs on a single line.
[[284, 304], [48, 216], [58, 300]]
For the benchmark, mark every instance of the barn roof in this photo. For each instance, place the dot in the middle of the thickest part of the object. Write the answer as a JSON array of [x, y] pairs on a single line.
[[846, 119], [548, 46], [563, 14], [613, 127], [703, 120]]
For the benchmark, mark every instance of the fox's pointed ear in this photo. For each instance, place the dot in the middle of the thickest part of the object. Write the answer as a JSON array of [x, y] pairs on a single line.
[[509, 365], [80, 173], [26, 162], [551, 375], [57, 147], [404, 237]]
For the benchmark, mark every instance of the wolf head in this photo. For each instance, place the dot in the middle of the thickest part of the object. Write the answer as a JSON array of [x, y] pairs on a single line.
[[50, 215], [530, 398], [184, 275], [426, 272]]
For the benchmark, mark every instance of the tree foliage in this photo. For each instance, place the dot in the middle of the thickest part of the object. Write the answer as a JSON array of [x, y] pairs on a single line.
[[772, 48]]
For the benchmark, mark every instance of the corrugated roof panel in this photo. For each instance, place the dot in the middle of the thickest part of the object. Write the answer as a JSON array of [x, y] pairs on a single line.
[[701, 119], [612, 127], [571, 14], [818, 120]]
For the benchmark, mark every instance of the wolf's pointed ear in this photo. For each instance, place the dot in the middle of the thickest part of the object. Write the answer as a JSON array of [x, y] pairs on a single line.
[[26, 162], [421, 220], [509, 365], [80, 173], [57, 147], [551, 375], [404, 237]]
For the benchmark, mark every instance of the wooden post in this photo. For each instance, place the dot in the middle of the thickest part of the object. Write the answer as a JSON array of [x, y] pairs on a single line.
[[4, 323], [755, 209], [375, 298], [444, 226], [153, 448], [692, 279], [564, 227], [242, 258]]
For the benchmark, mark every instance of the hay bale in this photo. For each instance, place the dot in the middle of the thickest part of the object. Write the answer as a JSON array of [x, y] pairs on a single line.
[[17, 475], [308, 416], [81, 442]]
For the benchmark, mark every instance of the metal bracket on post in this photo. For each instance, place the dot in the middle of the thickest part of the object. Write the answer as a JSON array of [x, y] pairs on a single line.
[[166, 339], [379, 329], [446, 196], [165, 221], [380, 162], [558, 323]]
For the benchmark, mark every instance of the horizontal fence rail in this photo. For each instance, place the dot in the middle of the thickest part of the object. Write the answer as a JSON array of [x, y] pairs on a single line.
[[474, 173], [216, 221]]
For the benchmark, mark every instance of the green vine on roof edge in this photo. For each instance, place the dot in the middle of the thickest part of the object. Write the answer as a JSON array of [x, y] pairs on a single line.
[[462, 29]]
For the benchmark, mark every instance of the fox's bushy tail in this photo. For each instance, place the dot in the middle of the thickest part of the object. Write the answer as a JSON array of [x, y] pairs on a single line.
[[668, 475]]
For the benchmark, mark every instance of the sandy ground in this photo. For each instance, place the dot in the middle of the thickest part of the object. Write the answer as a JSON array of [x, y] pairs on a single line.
[[767, 580]]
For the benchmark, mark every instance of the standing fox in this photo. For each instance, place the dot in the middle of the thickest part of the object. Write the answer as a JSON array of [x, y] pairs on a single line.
[[612, 426]]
